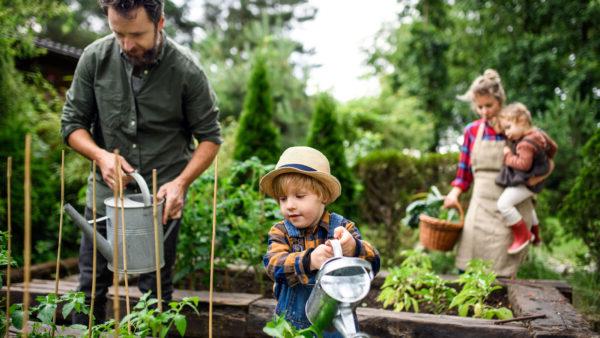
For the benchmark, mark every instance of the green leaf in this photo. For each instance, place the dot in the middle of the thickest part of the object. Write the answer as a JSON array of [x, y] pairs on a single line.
[[180, 323], [463, 310], [46, 312], [16, 316], [67, 308], [504, 313]]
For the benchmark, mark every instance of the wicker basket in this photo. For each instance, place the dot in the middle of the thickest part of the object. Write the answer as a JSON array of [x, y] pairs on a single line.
[[439, 234]]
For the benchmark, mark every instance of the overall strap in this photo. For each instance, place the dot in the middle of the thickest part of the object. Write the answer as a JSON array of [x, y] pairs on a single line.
[[479, 136], [335, 221], [291, 229]]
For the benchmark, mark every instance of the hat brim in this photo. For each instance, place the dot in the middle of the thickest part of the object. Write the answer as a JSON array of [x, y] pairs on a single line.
[[329, 181]]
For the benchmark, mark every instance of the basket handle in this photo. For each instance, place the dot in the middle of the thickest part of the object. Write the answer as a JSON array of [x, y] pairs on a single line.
[[461, 212]]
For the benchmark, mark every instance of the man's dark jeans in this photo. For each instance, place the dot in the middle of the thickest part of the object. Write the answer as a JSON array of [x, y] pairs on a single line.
[[147, 281]]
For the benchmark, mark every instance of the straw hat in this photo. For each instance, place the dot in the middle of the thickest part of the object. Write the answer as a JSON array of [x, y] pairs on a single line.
[[307, 161]]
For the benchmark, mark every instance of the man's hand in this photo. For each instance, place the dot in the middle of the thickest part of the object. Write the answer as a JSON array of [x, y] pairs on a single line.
[[319, 255], [107, 164], [347, 241], [173, 193], [506, 150]]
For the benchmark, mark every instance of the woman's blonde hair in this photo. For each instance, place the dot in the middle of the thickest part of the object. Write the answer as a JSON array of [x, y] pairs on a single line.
[[516, 112], [488, 83], [287, 182]]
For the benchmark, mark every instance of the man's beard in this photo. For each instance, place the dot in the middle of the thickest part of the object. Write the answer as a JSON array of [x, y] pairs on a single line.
[[149, 56]]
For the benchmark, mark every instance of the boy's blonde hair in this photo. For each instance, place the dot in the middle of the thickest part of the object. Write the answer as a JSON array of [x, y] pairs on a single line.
[[516, 112], [284, 183], [488, 83]]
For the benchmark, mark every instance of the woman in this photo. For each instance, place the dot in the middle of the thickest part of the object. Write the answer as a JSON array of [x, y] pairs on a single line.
[[485, 235]]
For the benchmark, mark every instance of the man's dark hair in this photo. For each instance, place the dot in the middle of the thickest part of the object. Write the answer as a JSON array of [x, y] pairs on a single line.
[[154, 8]]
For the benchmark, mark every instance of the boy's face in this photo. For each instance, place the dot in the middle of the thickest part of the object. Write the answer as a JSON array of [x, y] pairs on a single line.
[[302, 207], [514, 129]]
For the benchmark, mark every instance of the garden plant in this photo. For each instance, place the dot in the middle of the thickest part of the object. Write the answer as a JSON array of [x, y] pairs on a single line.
[[413, 285]]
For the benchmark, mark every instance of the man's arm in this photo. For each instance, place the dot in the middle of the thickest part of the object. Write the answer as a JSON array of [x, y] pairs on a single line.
[[81, 141], [174, 190]]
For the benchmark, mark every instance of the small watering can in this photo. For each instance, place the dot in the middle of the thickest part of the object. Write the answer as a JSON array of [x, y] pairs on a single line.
[[341, 283], [139, 230]]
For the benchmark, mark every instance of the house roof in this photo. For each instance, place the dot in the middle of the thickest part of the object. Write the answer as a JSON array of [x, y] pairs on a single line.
[[59, 48]]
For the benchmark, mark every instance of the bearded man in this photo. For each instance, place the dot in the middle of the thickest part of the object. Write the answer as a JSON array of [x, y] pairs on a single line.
[[138, 91]]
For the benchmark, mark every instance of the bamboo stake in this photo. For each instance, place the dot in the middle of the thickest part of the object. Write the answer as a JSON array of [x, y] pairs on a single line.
[[9, 239], [156, 245], [60, 225], [116, 299], [27, 228], [123, 230], [212, 250], [94, 257]]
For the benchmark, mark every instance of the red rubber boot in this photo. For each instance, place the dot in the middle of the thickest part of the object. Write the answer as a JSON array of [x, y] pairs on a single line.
[[535, 230], [521, 237]]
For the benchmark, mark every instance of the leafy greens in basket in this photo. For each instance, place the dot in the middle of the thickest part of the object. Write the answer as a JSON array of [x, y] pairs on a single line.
[[430, 204]]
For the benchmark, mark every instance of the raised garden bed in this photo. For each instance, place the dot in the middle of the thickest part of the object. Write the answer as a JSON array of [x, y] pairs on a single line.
[[245, 314]]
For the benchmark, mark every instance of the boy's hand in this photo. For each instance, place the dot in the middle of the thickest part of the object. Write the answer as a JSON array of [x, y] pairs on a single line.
[[319, 255], [347, 242]]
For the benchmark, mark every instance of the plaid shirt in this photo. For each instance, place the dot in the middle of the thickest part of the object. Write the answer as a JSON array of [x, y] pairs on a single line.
[[464, 174], [288, 261]]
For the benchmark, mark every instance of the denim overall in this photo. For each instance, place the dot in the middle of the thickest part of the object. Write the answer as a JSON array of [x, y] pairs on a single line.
[[292, 300]]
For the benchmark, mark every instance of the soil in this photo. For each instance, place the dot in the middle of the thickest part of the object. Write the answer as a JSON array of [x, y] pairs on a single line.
[[497, 299]]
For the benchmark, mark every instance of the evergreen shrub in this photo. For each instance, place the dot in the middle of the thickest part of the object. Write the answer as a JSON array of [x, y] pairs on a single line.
[[326, 135], [257, 134]]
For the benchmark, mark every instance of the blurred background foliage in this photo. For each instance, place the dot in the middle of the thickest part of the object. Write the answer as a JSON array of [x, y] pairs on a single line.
[[546, 51]]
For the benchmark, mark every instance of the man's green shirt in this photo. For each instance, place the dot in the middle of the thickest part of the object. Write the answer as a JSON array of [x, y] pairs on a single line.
[[153, 126]]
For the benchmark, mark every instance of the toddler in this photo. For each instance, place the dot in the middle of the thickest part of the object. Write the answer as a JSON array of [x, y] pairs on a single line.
[[529, 155]]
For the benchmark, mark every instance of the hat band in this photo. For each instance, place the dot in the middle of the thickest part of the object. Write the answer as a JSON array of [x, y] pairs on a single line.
[[298, 166]]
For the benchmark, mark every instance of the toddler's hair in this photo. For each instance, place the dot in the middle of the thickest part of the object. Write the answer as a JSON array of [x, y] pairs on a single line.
[[516, 112], [487, 84], [284, 183]]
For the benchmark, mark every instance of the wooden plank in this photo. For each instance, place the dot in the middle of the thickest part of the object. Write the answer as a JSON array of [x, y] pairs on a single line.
[[260, 312], [385, 323], [45, 270], [561, 317], [221, 298]]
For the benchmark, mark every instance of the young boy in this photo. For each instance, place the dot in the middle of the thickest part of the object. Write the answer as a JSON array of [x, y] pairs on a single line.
[[529, 155], [298, 246]]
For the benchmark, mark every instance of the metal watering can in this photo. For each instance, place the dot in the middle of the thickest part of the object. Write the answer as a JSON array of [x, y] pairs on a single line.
[[139, 230], [341, 283]]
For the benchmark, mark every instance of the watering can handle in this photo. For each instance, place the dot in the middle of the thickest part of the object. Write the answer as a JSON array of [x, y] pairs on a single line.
[[337, 248], [170, 229], [143, 188]]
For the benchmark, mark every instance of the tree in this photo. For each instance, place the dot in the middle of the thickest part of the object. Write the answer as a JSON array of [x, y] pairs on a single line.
[[257, 135], [29, 105], [325, 135], [580, 212], [292, 107], [86, 22], [418, 57], [229, 20]]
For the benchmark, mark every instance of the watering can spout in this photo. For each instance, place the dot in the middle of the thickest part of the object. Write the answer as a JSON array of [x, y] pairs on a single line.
[[103, 245]]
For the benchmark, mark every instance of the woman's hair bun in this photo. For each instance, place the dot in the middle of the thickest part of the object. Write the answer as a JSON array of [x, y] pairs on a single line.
[[492, 75]]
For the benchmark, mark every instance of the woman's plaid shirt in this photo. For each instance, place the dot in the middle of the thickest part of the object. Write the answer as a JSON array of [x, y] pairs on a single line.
[[288, 258], [464, 173]]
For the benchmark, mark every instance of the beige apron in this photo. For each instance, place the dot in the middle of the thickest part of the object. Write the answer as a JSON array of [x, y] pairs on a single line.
[[485, 235]]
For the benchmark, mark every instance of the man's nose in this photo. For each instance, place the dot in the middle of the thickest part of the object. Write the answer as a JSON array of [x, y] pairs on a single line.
[[128, 44]]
